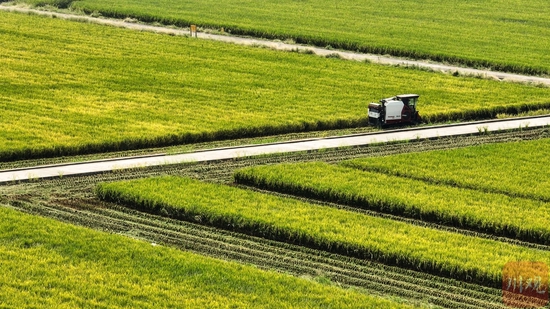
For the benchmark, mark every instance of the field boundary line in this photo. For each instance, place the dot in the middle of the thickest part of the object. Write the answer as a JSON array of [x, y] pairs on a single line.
[[277, 45]]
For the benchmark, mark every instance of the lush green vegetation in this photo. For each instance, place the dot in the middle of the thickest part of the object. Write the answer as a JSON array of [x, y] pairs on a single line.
[[45, 263], [517, 169], [346, 232], [484, 33], [69, 88], [465, 208]]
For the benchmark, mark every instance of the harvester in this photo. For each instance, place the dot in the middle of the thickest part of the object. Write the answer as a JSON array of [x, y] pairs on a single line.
[[395, 110]]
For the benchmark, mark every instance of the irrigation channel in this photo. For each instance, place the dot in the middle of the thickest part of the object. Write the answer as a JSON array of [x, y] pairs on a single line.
[[72, 200], [386, 60], [100, 166]]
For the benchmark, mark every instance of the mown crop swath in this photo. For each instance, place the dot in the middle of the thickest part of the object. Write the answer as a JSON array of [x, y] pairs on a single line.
[[346, 232], [501, 37], [69, 88], [498, 214], [517, 169], [46, 263]]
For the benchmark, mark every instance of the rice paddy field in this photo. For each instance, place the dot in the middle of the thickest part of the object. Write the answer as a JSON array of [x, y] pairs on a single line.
[[342, 231], [405, 259], [70, 88], [498, 33], [504, 229], [322, 229], [495, 213], [514, 169], [46, 263]]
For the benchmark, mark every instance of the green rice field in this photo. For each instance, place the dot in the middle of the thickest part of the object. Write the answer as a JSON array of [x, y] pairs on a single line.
[[430, 223], [46, 263], [492, 213], [518, 169], [498, 33], [342, 231], [70, 88]]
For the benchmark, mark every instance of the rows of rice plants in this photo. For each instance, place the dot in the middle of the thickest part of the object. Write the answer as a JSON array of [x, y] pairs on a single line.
[[517, 169], [71, 193], [495, 34], [72, 88], [493, 213], [296, 260], [45, 264], [341, 231]]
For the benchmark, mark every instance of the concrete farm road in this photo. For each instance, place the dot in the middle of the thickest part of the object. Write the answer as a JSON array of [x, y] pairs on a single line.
[[285, 46], [102, 166]]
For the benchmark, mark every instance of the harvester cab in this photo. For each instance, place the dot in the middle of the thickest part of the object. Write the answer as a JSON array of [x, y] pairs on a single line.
[[394, 110]]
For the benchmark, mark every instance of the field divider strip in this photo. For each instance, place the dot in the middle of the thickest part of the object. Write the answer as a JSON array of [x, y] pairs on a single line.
[[82, 162]]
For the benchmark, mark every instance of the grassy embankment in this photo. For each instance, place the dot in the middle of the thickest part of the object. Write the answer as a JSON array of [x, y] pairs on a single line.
[[72, 88]]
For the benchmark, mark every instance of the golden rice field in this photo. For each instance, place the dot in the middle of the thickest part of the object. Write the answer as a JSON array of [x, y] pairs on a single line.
[[69, 88], [457, 216], [500, 34]]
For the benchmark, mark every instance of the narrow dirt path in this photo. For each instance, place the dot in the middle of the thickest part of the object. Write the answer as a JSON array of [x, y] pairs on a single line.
[[438, 67]]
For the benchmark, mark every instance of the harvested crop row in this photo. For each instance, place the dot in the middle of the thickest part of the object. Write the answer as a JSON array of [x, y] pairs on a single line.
[[74, 88], [493, 213], [397, 243], [517, 169]]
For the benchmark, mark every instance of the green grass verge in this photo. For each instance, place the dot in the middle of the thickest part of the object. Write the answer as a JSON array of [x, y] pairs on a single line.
[[346, 232], [517, 169], [72, 88], [490, 34], [493, 213], [45, 263]]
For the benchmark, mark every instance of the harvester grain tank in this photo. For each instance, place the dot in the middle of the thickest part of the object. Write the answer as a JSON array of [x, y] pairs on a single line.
[[394, 110]]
